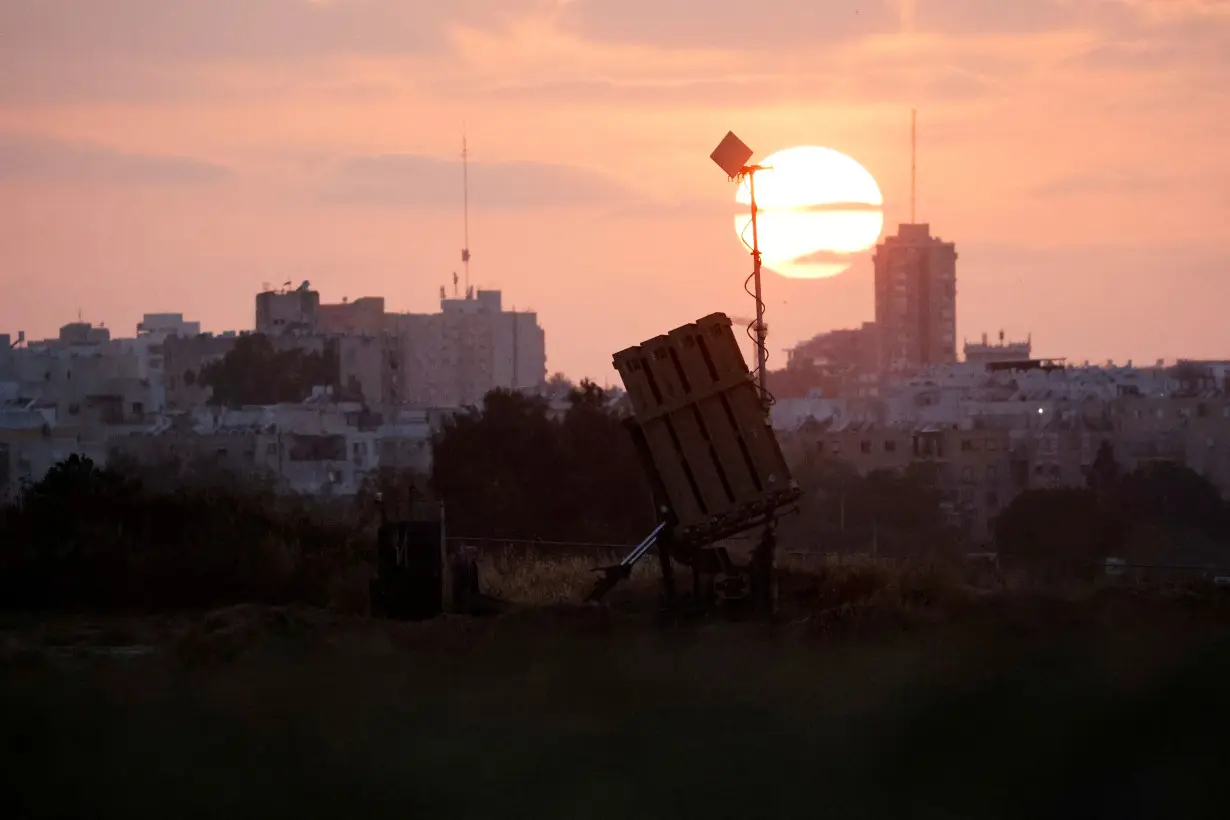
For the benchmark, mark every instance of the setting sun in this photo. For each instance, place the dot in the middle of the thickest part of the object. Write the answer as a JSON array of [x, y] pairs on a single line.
[[818, 207]]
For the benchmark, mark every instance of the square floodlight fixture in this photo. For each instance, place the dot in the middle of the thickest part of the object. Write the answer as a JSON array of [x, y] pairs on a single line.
[[731, 155]]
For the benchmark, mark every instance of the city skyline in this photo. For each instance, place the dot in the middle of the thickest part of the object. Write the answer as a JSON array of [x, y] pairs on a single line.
[[176, 161]]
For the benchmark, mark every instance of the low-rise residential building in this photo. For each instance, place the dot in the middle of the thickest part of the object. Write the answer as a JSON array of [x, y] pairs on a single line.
[[318, 447]]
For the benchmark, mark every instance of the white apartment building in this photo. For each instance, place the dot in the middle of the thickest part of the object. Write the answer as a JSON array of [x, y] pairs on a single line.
[[317, 447], [472, 346]]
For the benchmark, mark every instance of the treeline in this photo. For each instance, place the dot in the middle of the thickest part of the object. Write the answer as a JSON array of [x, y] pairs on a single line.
[[104, 539], [172, 536], [178, 534], [886, 513], [1161, 513], [511, 470]]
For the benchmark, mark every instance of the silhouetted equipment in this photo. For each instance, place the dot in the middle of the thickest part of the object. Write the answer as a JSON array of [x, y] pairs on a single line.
[[731, 155], [619, 572], [416, 577], [716, 467], [410, 581], [706, 433]]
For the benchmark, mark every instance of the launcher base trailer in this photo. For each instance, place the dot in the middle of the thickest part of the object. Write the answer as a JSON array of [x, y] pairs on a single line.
[[716, 579]]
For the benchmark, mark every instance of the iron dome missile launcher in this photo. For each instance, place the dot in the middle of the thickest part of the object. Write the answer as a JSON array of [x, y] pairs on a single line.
[[717, 469]]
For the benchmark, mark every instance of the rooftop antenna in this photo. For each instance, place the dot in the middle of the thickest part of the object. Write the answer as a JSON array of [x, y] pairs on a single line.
[[465, 206], [913, 163]]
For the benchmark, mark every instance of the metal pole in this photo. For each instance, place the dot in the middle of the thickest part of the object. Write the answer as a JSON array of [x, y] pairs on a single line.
[[913, 164], [765, 556], [465, 194], [761, 350]]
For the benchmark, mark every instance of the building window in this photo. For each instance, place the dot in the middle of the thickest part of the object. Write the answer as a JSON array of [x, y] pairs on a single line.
[[864, 446], [271, 448], [967, 473], [992, 445], [836, 448], [890, 446], [992, 500], [991, 472]]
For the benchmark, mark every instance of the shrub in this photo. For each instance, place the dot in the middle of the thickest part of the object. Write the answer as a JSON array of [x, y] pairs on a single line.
[[91, 538]]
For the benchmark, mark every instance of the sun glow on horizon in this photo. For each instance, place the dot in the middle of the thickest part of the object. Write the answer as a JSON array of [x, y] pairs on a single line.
[[818, 208]]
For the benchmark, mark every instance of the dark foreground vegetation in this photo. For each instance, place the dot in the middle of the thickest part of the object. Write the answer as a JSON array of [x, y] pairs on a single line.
[[180, 642], [1006, 707]]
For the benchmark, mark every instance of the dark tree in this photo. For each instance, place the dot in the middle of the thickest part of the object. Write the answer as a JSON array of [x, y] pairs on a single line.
[[1172, 497], [90, 538], [894, 513], [509, 470], [1055, 533], [1105, 472], [255, 372], [609, 483]]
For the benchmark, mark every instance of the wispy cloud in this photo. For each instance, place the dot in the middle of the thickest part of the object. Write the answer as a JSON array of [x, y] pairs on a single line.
[[427, 182], [25, 158], [242, 29], [1107, 182]]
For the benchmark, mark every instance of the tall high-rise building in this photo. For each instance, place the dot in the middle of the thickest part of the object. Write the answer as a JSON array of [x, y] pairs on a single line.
[[916, 299]]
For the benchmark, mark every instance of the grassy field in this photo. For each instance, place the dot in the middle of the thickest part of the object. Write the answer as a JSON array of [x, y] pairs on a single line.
[[883, 692]]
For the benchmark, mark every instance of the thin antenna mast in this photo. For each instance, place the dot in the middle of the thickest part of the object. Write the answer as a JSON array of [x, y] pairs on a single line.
[[913, 164], [465, 199]]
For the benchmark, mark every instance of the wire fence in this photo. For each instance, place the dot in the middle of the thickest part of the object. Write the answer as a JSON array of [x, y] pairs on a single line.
[[533, 543], [1112, 568], [493, 544]]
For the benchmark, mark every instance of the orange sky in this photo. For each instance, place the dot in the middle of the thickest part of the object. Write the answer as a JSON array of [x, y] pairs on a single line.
[[174, 157]]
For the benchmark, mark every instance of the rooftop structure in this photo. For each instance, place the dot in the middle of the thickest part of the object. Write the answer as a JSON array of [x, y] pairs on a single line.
[[287, 311], [986, 353]]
